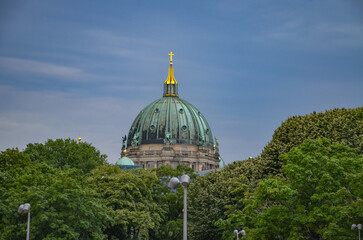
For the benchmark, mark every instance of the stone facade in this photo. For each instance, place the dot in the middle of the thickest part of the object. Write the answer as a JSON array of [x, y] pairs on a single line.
[[151, 156]]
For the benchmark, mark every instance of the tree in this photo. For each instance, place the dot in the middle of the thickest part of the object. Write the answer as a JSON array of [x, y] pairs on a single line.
[[12, 159], [209, 197], [339, 125], [129, 196], [65, 154], [171, 227], [62, 205], [318, 197]]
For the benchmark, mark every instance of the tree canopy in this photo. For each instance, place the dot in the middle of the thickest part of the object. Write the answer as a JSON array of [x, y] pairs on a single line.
[[66, 154], [106, 203], [339, 125], [129, 197], [63, 206], [306, 184], [171, 202], [319, 196]]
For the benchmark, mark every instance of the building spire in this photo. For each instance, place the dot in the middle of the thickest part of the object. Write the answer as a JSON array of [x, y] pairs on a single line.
[[170, 84]]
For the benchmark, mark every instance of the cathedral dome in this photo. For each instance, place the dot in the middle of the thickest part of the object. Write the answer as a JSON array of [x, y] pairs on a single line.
[[170, 132], [170, 119]]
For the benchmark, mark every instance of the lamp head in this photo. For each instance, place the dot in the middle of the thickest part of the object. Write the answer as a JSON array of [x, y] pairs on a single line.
[[235, 232], [353, 226], [174, 182], [24, 208], [185, 180]]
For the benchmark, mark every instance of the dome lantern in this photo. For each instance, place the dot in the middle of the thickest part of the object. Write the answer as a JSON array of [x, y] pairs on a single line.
[[170, 84]]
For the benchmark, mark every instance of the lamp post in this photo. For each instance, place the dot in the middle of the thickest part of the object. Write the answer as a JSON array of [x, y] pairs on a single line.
[[173, 184], [359, 226], [242, 232], [26, 208]]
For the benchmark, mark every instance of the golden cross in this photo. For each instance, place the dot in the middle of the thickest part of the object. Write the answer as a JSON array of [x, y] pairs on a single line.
[[171, 56]]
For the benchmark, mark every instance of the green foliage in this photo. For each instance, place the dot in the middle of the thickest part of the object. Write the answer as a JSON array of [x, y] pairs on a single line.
[[65, 154], [119, 204], [165, 173], [171, 227], [62, 205], [129, 197], [339, 125], [319, 197], [209, 198], [312, 192], [12, 159]]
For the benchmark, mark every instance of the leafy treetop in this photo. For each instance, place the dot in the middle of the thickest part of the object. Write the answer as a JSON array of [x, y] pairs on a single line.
[[66, 154]]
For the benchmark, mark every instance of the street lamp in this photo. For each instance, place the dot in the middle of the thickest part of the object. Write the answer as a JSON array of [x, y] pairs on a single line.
[[26, 208], [359, 226], [242, 232], [173, 184]]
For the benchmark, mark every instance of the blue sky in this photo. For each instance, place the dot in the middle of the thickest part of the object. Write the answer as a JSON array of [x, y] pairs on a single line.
[[86, 68]]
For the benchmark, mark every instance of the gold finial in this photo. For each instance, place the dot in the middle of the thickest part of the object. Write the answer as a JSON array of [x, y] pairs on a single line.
[[79, 139], [171, 57], [250, 158]]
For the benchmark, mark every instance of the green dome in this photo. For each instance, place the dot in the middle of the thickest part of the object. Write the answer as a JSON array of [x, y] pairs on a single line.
[[124, 161], [170, 119], [221, 162]]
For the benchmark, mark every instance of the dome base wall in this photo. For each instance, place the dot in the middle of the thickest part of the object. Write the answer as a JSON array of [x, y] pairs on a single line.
[[150, 156]]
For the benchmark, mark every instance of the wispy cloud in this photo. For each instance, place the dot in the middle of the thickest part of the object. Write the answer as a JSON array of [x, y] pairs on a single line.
[[303, 26], [109, 37], [349, 35], [321, 35], [35, 116], [19, 65], [118, 44]]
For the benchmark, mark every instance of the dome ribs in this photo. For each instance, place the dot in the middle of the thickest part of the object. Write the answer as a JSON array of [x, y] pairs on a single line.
[[181, 119]]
